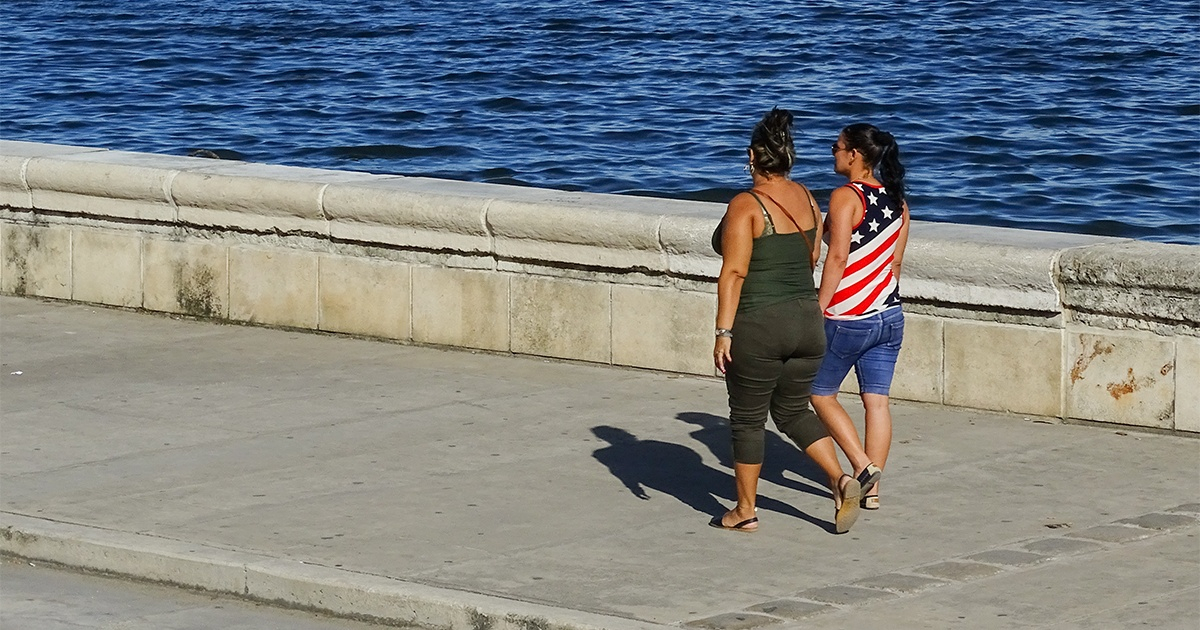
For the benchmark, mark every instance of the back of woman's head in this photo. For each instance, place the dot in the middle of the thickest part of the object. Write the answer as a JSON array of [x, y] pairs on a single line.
[[771, 141], [880, 151]]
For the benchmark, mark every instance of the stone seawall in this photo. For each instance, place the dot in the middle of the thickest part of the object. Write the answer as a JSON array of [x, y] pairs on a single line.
[[1077, 327]]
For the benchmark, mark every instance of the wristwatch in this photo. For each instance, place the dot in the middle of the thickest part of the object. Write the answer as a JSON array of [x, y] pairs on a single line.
[[724, 332]]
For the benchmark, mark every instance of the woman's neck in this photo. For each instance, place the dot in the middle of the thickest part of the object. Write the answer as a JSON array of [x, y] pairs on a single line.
[[759, 179], [862, 175]]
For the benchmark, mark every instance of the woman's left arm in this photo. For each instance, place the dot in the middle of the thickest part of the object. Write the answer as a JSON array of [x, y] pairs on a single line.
[[901, 242]]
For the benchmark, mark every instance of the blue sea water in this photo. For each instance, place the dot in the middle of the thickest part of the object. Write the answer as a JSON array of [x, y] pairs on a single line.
[[1072, 115]]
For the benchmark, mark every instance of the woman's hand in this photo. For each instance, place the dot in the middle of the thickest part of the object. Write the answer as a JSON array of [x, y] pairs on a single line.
[[721, 355]]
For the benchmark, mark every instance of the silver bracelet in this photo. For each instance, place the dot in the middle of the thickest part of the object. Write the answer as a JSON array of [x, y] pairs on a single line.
[[725, 332]]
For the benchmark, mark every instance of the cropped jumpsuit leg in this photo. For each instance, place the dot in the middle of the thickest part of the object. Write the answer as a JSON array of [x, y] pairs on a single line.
[[776, 352]]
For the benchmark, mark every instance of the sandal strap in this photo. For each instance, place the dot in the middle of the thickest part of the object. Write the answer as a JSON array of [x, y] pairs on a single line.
[[869, 476]]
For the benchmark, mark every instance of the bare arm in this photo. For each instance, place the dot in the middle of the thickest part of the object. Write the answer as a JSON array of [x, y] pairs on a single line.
[[737, 243], [816, 250], [901, 241], [844, 208]]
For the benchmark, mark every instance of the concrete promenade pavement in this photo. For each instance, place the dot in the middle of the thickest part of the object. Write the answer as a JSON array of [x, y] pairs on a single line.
[[37, 597], [458, 489]]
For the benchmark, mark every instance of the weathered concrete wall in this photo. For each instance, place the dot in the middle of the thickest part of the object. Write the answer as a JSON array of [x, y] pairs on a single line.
[[1027, 322]]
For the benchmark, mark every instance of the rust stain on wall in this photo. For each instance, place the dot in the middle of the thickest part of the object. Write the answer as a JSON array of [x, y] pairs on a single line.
[[1132, 383], [1127, 386], [1082, 363]]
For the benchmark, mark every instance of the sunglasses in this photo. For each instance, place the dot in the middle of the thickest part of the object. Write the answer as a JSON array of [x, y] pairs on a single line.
[[837, 148]]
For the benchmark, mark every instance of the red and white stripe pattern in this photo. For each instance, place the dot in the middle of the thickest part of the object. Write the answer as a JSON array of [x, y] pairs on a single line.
[[868, 285]]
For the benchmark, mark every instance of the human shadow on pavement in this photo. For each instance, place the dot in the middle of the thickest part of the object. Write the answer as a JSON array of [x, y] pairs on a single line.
[[780, 455], [675, 470]]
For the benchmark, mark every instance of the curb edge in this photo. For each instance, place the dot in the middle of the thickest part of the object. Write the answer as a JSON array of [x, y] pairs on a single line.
[[288, 583]]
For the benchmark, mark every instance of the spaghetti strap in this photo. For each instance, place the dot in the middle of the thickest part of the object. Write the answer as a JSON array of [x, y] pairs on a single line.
[[812, 202], [780, 206], [766, 215], [812, 263]]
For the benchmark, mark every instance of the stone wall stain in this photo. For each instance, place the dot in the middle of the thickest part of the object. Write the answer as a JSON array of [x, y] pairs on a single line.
[[529, 623], [195, 291], [15, 535], [1082, 363], [1125, 387], [1132, 383], [480, 621], [17, 255]]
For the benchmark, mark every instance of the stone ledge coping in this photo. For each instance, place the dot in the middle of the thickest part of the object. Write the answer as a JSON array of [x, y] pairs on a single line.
[[308, 586], [958, 265], [1133, 279]]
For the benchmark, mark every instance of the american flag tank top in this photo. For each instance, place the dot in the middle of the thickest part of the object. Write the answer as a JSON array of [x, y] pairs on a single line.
[[868, 285]]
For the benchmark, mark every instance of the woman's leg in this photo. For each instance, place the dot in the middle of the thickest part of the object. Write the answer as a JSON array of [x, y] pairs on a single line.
[[846, 342], [878, 431], [875, 370], [841, 429], [745, 478], [801, 425], [796, 420], [791, 412], [790, 409], [750, 379], [823, 453]]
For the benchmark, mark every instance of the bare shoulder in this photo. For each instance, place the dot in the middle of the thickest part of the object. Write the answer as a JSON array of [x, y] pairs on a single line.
[[844, 195], [803, 192], [845, 204], [800, 188], [843, 192], [742, 204]]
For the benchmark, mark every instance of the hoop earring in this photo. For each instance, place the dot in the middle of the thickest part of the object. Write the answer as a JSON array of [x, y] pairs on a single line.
[[749, 168]]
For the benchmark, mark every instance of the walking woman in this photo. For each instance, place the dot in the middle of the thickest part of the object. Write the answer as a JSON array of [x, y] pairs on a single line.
[[867, 229], [769, 329]]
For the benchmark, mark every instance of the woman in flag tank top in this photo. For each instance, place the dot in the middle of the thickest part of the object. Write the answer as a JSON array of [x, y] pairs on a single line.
[[867, 230]]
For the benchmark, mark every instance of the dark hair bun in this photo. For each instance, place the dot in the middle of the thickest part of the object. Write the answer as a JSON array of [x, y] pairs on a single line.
[[771, 141]]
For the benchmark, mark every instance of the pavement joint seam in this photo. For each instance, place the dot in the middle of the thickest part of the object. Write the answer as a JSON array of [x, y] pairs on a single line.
[[825, 599]]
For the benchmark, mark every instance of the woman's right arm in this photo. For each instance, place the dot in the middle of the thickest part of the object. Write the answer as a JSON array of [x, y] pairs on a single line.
[[843, 208], [737, 242]]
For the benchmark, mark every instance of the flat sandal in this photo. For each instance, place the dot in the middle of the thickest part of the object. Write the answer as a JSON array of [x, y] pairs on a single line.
[[845, 516]]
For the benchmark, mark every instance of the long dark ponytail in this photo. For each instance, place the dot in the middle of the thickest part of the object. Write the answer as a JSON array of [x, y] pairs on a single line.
[[881, 152]]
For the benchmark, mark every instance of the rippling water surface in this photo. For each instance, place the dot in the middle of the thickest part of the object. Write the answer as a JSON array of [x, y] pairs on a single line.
[[1071, 115]]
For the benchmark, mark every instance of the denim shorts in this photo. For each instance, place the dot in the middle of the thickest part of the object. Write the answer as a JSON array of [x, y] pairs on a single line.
[[869, 345]]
